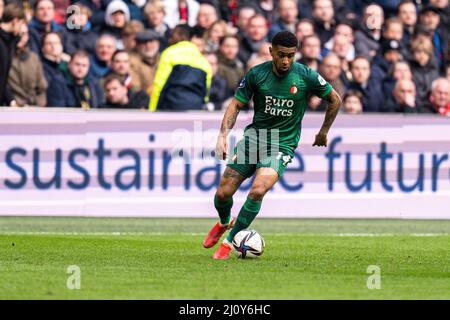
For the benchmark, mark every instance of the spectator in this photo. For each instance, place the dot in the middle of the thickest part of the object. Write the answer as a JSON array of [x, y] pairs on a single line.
[[341, 43], [119, 96], [393, 29], [10, 27], [423, 67], [254, 62], [219, 91], [255, 35], [207, 15], [137, 78], [181, 11], [2, 8], [244, 15], [444, 8], [98, 8], [288, 12], [403, 99], [148, 48], [352, 102], [331, 70], [26, 77], [229, 66], [304, 28], [79, 34], [264, 52], [310, 51], [136, 9], [407, 13], [54, 60], [198, 39], [155, 13], [183, 77], [77, 90], [447, 72], [214, 34], [429, 17], [101, 61], [439, 100], [116, 17], [42, 22], [129, 34], [399, 71], [324, 22], [362, 82], [368, 37], [267, 8], [391, 52]]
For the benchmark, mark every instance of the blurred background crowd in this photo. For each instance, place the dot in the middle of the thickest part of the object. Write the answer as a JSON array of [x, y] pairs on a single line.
[[380, 56]]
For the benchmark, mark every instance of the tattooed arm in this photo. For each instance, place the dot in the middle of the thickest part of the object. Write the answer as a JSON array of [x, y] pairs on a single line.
[[334, 102], [229, 119]]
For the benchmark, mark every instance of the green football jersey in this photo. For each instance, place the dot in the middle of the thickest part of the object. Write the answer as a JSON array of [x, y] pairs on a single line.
[[279, 102]]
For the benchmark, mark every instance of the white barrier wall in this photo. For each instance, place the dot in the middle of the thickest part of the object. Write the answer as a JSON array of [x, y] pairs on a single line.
[[123, 163]]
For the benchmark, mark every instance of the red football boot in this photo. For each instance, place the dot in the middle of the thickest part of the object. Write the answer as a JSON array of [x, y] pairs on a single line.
[[223, 252], [216, 232]]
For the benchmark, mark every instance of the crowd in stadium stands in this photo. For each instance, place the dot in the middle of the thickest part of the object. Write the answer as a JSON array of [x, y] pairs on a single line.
[[380, 56]]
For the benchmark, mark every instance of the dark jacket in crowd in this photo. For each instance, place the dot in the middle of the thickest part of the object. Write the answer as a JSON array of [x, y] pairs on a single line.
[[230, 70], [392, 105], [324, 33], [219, 91], [365, 43], [64, 92], [380, 68], [7, 47], [248, 47], [136, 100], [98, 69], [423, 77], [37, 31], [53, 69], [84, 38], [278, 27], [372, 95]]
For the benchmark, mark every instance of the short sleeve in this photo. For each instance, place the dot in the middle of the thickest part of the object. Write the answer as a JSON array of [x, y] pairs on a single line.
[[245, 90], [317, 84]]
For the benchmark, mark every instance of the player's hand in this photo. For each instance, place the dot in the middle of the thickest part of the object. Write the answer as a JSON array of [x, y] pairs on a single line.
[[222, 147], [321, 140]]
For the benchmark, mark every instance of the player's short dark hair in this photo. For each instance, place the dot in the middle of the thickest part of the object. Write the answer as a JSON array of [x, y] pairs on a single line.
[[285, 39]]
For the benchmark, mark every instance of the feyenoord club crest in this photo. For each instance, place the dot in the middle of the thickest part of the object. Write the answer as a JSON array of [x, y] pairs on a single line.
[[293, 89]]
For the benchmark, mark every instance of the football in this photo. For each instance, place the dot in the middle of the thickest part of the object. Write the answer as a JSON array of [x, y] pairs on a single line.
[[248, 244]]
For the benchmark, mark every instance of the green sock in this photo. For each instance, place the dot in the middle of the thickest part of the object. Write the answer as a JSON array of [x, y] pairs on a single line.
[[247, 214], [224, 210]]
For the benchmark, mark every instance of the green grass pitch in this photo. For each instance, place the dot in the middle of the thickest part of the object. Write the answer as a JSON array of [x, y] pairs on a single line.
[[125, 258]]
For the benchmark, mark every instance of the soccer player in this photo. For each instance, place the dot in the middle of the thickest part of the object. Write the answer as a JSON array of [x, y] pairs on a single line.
[[280, 90]]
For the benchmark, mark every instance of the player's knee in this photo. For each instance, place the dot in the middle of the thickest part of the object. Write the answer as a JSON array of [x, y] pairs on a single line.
[[223, 195], [257, 192]]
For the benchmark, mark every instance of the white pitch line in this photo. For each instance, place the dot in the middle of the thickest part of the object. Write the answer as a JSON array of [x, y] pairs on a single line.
[[56, 233]]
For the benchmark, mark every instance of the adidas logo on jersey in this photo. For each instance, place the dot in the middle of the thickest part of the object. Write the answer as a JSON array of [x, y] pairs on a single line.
[[275, 106]]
